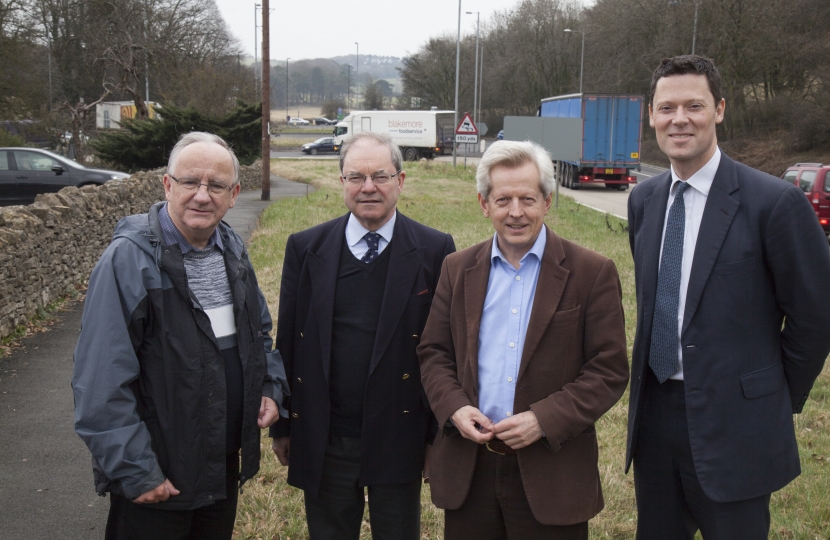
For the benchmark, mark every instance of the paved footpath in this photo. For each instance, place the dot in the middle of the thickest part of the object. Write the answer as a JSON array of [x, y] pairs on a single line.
[[46, 488]]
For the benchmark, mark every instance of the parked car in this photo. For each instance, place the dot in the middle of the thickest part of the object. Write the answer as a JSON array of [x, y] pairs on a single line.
[[323, 121], [25, 172], [814, 181], [298, 122], [326, 144]]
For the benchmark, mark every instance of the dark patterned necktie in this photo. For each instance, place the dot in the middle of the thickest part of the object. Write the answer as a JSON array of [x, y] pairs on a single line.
[[663, 354], [372, 240]]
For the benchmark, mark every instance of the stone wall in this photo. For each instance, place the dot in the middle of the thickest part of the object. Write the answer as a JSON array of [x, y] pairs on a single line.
[[49, 248]]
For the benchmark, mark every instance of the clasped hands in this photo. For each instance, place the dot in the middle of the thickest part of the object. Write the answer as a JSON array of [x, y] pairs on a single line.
[[516, 431]]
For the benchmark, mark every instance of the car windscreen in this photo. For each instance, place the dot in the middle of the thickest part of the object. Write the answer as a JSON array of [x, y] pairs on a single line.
[[324, 140], [807, 180], [340, 130]]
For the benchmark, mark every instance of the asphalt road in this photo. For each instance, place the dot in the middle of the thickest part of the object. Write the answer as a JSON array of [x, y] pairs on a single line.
[[46, 488], [607, 200]]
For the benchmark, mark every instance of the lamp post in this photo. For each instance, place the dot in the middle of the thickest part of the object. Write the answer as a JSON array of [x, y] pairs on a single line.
[[457, 71], [475, 77], [349, 91], [256, 7], [357, 71], [286, 89], [582, 57], [694, 29]]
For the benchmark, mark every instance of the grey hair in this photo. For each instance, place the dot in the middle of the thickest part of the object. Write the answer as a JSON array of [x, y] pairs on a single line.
[[198, 137], [379, 138], [514, 154]]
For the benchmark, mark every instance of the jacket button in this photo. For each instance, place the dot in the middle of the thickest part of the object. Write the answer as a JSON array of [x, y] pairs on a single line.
[[295, 415], [405, 412], [301, 335], [299, 380], [405, 376], [415, 336]]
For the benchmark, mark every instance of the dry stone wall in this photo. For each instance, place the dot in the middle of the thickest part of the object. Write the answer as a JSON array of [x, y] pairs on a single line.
[[49, 248]]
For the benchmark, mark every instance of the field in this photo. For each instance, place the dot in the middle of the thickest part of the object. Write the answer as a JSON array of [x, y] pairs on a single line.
[[444, 198]]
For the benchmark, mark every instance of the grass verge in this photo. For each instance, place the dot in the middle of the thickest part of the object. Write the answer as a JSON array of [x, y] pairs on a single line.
[[444, 198]]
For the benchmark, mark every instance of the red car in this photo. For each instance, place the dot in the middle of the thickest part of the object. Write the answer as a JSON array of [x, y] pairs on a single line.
[[814, 181]]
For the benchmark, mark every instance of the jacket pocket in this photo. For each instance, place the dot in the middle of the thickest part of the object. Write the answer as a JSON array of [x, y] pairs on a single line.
[[763, 382], [731, 268], [565, 316]]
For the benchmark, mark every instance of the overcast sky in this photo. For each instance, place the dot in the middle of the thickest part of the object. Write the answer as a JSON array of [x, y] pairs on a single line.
[[326, 28]]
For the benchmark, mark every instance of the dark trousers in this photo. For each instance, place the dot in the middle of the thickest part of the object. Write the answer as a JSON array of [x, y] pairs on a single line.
[[336, 513], [670, 500], [131, 521], [496, 507]]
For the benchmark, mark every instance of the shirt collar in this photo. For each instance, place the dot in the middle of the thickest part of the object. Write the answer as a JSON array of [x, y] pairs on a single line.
[[355, 231], [172, 235], [537, 249], [702, 180]]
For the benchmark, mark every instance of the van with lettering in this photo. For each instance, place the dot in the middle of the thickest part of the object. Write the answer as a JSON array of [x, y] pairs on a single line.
[[417, 133]]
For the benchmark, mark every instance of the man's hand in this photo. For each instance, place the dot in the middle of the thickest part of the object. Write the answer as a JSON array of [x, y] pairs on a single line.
[[163, 492], [519, 430], [268, 413], [280, 446], [473, 424]]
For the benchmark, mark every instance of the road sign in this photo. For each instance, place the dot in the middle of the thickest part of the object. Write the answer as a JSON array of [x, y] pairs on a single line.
[[466, 127], [463, 138], [482, 129]]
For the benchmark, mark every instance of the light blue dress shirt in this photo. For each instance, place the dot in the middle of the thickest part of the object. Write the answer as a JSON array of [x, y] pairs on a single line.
[[501, 336], [355, 233]]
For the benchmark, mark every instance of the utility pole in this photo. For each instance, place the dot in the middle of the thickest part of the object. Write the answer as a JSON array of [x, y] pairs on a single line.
[[357, 72], [349, 92], [266, 104]]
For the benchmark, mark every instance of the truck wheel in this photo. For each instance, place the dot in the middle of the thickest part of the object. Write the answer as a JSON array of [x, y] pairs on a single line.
[[574, 178], [410, 154]]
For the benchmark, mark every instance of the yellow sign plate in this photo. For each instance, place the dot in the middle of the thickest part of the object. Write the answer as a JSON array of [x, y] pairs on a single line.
[[609, 171], [635, 155]]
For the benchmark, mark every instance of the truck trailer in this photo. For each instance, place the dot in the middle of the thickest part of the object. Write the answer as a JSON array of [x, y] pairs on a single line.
[[417, 133], [592, 138]]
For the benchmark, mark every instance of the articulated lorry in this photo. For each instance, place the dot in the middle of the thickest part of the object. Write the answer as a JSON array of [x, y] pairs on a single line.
[[592, 138], [417, 133]]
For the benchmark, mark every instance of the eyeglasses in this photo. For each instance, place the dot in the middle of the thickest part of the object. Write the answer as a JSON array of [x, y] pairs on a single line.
[[191, 184], [379, 178]]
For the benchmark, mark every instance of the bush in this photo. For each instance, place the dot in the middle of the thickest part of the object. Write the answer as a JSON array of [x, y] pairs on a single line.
[[146, 143]]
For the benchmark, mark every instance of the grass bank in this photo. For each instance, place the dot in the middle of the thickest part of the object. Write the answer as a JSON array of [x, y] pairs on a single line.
[[444, 198]]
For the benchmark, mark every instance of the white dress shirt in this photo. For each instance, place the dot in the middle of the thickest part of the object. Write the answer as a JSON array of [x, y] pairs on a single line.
[[355, 233], [695, 201]]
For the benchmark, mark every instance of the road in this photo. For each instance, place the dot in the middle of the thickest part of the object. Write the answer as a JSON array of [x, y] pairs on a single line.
[[46, 488]]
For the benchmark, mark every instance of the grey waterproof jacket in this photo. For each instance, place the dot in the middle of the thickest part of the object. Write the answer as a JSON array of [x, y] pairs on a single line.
[[149, 377]]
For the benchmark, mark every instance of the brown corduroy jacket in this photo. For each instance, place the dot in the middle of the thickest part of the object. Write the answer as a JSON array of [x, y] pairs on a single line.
[[573, 369]]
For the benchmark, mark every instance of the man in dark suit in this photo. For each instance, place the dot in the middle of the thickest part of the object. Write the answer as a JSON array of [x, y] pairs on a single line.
[[355, 296], [523, 351], [732, 293]]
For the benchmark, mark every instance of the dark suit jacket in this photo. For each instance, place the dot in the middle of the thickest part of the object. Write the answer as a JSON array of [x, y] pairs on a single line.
[[761, 260], [573, 369], [397, 419]]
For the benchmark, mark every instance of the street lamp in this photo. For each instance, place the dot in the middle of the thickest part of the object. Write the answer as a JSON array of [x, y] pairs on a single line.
[[286, 89], [582, 57], [256, 8], [457, 71], [357, 71], [694, 30], [475, 77], [349, 91]]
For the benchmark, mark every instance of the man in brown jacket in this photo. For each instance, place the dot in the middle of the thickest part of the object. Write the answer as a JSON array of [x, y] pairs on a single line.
[[523, 351]]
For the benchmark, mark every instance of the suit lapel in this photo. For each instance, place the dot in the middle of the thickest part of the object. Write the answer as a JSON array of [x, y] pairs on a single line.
[[405, 260], [648, 247], [475, 291], [322, 267], [549, 289], [718, 214]]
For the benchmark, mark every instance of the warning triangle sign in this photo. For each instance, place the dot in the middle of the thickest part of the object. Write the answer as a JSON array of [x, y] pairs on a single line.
[[466, 127]]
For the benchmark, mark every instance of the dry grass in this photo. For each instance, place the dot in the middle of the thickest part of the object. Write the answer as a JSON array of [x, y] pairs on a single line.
[[444, 198], [292, 142]]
